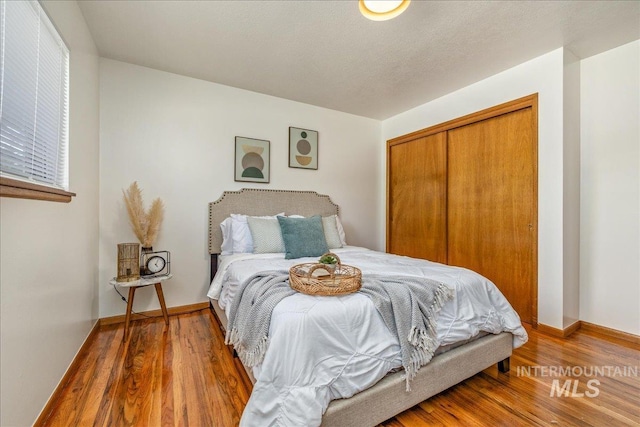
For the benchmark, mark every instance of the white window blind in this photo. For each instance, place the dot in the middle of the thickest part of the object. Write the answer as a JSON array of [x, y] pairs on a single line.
[[34, 96]]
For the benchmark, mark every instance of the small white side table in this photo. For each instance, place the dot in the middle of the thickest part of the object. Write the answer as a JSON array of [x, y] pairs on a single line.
[[141, 283]]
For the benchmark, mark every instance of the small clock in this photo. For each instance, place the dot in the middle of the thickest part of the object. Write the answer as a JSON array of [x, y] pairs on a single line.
[[156, 264]]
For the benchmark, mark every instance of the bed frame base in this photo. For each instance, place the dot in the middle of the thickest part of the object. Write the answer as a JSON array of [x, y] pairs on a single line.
[[503, 365], [389, 396]]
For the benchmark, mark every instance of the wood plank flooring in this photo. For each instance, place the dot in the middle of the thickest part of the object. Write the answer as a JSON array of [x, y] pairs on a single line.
[[184, 376]]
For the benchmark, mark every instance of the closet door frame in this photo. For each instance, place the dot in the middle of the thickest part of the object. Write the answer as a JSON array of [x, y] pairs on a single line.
[[530, 101]]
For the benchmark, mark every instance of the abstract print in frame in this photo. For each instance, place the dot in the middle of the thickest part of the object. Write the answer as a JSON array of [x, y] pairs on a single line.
[[252, 160], [303, 148]]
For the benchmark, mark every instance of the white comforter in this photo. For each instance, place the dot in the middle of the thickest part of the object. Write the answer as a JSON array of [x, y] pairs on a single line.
[[324, 348]]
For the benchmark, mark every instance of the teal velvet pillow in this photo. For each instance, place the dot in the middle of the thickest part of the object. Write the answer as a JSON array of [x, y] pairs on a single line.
[[303, 237]]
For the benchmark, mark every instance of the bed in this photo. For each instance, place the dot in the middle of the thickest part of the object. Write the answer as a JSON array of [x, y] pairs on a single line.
[[379, 390]]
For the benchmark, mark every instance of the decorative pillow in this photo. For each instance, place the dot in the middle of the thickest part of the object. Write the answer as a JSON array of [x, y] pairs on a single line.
[[227, 238], [303, 237], [266, 235], [331, 232], [241, 235], [340, 231]]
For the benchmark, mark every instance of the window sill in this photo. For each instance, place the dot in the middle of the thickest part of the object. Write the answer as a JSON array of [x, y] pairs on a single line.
[[26, 190]]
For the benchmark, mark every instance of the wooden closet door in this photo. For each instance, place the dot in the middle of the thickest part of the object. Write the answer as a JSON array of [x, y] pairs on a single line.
[[492, 204], [416, 199]]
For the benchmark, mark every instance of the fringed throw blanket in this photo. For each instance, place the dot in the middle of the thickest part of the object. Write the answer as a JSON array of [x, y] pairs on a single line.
[[409, 307], [250, 314]]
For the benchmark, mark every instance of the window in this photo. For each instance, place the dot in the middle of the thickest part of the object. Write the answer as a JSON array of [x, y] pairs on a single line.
[[34, 98]]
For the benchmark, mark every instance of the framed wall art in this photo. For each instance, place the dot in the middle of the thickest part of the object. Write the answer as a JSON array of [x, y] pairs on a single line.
[[303, 148], [252, 160]]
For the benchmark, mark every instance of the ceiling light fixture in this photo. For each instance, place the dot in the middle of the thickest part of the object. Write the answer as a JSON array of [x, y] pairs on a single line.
[[381, 10]]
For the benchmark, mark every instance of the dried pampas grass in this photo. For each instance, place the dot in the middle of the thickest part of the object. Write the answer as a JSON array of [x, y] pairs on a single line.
[[154, 219], [146, 225], [135, 208]]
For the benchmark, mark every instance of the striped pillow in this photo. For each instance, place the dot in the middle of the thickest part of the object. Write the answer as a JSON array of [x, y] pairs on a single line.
[[266, 235]]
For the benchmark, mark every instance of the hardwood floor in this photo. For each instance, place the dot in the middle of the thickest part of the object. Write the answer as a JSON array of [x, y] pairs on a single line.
[[181, 375], [184, 376]]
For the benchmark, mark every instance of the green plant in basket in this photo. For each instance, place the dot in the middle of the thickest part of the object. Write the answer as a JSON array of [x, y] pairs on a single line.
[[328, 259]]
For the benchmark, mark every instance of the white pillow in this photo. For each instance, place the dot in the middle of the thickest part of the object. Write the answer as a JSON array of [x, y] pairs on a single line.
[[227, 239], [241, 235], [340, 231], [331, 234], [266, 235]]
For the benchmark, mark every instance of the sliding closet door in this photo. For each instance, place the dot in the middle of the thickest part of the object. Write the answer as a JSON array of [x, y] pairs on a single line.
[[492, 204], [416, 199]]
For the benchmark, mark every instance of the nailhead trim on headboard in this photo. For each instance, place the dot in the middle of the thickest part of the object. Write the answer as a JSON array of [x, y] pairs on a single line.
[[256, 201]]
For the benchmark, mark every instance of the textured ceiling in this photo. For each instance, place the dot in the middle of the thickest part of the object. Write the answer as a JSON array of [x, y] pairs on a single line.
[[326, 54]]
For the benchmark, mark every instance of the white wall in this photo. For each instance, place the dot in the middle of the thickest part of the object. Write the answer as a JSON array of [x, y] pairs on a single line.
[[543, 75], [571, 189], [175, 136], [48, 269], [610, 199]]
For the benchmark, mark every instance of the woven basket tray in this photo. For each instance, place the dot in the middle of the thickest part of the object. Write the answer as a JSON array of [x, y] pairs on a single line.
[[319, 279]]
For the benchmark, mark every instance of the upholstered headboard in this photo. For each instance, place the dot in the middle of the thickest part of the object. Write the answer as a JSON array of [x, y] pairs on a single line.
[[250, 201]]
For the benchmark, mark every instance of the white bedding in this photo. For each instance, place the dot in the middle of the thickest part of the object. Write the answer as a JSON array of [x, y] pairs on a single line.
[[324, 348]]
